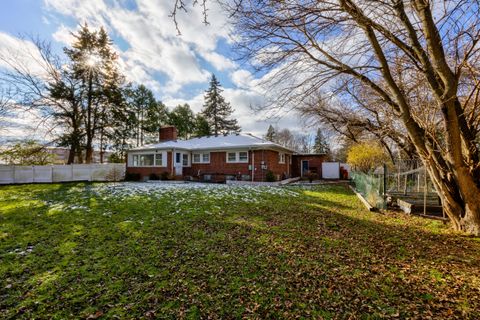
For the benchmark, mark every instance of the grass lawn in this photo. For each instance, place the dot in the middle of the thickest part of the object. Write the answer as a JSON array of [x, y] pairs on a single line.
[[149, 251]]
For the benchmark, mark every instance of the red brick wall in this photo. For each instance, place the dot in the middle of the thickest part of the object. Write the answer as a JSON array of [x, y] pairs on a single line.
[[271, 159], [314, 164], [167, 133], [219, 165]]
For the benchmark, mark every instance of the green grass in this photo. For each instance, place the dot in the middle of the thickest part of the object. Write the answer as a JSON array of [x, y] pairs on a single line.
[[100, 251]]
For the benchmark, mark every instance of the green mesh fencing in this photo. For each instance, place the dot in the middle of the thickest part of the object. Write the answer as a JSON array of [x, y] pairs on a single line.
[[370, 186]]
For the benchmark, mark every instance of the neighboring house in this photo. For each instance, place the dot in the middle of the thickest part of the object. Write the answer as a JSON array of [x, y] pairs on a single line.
[[237, 156]]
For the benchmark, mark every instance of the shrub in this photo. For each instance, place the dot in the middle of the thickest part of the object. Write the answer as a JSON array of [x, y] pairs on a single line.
[[116, 158], [311, 176], [164, 176], [154, 176], [366, 156], [269, 176], [132, 176]]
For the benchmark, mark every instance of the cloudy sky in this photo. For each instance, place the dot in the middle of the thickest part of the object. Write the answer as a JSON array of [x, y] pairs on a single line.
[[177, 68]]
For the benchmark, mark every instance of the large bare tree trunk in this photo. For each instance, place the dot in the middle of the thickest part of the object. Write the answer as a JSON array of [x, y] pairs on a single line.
[[411, 58], [71, 155], [463, 212]]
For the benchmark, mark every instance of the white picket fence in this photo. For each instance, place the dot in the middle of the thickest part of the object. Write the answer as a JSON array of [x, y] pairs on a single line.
[[10, 174]]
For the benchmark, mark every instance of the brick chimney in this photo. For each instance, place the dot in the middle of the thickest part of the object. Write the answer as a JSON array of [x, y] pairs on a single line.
[[167, 133]]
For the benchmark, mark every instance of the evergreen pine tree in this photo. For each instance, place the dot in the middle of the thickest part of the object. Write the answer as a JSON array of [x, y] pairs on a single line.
[[94, 64], [149, 114], [271, 134], [183, 118], [202, 128], [217, 111], [321, 145]]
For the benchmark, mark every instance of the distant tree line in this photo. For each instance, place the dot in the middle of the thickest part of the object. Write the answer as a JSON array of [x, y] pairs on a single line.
[[302, 143], [92, 106]]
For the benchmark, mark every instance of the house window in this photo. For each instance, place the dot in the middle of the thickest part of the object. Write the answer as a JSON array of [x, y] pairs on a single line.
[[177, 157], [232, 157], [240, 156], [158, 160], [135, 161], [206, 158], [243, 157], [146, 160], [185, 159], [201, 158], [281, 158]]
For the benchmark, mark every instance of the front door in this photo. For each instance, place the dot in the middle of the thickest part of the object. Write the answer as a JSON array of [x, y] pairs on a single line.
[[304, 167], [178, 164]]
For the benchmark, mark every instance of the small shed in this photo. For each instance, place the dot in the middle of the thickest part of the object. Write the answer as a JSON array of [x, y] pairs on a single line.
[[302, 163]]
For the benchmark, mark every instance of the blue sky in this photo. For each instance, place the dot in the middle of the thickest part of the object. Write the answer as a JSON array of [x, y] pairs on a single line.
[[176, 68]]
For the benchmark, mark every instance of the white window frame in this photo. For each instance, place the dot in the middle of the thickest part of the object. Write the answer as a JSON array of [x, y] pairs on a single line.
[[158, 155], [201, 156], [187, 158], [281, 157], [237, 156]]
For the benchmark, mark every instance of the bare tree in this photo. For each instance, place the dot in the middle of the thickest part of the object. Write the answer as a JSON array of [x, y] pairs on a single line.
[[385, 48], [5, 105], [40, 83]]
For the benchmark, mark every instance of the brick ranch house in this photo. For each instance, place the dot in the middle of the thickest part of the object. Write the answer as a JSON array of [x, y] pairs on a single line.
[[237, 156]]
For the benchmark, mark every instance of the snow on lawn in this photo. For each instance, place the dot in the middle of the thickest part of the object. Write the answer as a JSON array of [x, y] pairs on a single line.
[[174, 198]]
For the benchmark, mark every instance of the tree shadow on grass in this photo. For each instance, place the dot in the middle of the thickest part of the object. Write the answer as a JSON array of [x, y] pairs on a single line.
[[298, 258], [376, 262]]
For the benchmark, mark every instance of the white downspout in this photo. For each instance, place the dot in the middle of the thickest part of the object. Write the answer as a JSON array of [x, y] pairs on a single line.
[[173, 163], [253, 165]]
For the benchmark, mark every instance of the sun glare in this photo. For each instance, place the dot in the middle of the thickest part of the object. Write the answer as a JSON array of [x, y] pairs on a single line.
[[92, 60]]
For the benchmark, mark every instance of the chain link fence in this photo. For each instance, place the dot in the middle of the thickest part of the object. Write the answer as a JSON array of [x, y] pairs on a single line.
[[405, 185]]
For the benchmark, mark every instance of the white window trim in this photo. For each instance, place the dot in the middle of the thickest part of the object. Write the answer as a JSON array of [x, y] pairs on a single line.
[[200, 154], [155, 159], [237, 156], [280, 156]]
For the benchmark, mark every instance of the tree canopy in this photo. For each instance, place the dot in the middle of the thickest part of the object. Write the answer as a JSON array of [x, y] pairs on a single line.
[[401, 72], [217, 111]]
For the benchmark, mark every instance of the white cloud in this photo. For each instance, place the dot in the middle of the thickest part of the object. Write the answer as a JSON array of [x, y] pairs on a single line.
[[26, 124], [153, 43], [63, 35], [151, 52], [242, 78], [20, 53], [242, 101]]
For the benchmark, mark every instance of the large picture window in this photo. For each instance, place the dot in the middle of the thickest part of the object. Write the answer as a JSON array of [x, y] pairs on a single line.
[[149, 160], [146, 160], [237, 157]]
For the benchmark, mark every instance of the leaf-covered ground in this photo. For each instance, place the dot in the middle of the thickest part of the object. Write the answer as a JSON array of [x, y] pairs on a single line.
[[156, 251]]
